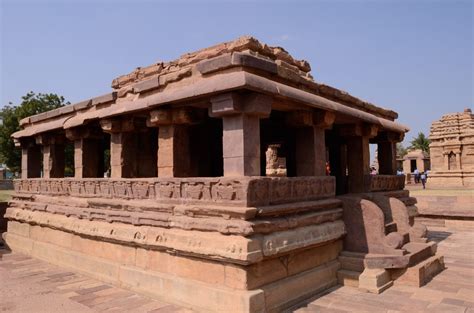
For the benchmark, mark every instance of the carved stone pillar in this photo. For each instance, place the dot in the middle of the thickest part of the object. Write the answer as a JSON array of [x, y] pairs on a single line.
[[387, 152], [310, 141], [30, 160], [53, 155], [358, 154], [241, 130], [174, 155], [88, 152]]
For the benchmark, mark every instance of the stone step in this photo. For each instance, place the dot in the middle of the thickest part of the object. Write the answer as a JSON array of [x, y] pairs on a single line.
[[348, 278], [419, 274], [351, 263], [419, 251]]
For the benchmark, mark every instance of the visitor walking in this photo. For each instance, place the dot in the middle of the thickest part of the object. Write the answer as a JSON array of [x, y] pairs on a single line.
[[423, 179], [417, 175]]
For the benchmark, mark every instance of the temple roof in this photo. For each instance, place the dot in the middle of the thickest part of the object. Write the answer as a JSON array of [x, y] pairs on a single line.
[[244, 63], [453, 126]]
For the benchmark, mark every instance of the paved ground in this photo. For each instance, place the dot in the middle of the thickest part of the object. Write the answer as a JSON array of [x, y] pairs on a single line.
[[29, 285], [450, 291]]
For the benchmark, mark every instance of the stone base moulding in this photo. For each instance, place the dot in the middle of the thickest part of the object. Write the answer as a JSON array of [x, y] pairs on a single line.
[[199, 285]]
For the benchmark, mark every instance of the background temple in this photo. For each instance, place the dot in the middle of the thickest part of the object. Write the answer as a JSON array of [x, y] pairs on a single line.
[[452, 150]]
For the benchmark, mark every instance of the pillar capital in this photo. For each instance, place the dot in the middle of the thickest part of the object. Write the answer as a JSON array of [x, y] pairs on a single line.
[[388, 136], [170, 116], [359, 130], [77, 133], [50, 139], [254, 104], [122, 125]]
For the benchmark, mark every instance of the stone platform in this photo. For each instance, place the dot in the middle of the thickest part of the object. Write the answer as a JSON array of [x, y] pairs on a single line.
[[33, 284]]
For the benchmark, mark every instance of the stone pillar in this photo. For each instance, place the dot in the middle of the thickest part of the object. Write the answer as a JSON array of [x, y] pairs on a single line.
[[241, 130], [358, 155], [30, 160], [174, 155], [53, 155], [123, 145], [88, 152], [338, 163], [310, 141], [387, 152]]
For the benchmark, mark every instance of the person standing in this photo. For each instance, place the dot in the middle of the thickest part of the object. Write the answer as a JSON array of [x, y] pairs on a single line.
[[423, 179], [417, 175]]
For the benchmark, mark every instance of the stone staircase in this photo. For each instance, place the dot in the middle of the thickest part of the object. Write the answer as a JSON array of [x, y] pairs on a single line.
[[412, 262]]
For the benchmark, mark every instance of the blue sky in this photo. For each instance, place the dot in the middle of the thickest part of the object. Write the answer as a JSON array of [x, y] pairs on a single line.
[[415, 57]]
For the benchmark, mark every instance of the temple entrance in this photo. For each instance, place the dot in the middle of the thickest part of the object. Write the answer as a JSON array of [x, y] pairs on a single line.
[[412, 166]]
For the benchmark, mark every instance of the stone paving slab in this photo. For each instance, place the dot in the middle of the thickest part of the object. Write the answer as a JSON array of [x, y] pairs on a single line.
[[31, 285]]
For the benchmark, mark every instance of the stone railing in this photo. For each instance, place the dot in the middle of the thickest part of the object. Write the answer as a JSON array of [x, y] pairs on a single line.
[[242, 191], [385, 182]]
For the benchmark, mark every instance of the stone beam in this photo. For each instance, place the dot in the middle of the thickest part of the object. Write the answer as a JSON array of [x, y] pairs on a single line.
[[241, 130]]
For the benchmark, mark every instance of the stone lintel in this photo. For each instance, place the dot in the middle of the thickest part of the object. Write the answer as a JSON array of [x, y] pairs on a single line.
[[232, 103]]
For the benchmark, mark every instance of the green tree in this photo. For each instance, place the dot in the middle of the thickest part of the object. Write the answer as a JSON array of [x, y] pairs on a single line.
[[401, 150], [10, 117], [420, 142]]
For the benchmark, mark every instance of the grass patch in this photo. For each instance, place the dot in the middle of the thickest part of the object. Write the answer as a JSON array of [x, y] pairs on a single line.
[[5, 195]]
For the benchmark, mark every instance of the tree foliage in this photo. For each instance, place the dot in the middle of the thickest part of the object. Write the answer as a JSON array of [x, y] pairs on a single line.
[[420, 142], [401, 150], [10, 117]]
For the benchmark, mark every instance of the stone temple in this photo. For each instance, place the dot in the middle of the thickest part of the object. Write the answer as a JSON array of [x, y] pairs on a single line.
[[237, 183], [452, 150]]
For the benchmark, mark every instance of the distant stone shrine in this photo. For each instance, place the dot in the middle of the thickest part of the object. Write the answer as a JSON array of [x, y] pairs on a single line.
[[415, 159], [452, 150], [218, 197]]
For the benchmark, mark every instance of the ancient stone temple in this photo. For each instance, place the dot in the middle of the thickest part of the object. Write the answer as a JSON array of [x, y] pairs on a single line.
[[415, 159], [237, 183], [452, 150]]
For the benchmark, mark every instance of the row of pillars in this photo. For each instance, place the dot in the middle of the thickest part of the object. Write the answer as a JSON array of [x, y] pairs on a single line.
[[241, 149]]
